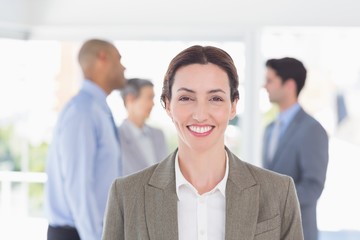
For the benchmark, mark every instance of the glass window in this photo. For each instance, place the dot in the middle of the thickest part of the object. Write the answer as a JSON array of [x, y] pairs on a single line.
[[27, 98]]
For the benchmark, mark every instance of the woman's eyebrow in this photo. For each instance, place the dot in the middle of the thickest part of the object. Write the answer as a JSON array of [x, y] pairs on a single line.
[[216, 91], [192, 91], [185, 89]]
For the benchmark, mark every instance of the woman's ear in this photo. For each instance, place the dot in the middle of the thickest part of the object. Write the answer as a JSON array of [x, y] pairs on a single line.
[[167, 107], [233, 108]]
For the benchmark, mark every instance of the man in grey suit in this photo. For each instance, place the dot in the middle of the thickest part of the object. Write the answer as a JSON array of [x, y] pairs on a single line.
[[141, 145], [295, 144]]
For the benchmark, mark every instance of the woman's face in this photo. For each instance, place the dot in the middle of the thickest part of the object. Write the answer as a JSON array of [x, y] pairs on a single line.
[[200, 106]]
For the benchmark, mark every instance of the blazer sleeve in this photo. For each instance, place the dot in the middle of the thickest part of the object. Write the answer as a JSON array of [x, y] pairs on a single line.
[[114, 216], [313, 164], [291, 227]]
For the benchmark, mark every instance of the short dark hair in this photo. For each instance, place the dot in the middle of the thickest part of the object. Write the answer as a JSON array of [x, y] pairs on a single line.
[[289, 68], [133, 86], [201, 55]]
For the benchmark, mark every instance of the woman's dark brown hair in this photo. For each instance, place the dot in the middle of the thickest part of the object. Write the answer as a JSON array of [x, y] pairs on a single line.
[[201, 55]]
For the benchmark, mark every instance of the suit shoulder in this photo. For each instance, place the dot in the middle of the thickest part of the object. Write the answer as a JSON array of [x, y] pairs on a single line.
[[274, 187], [312, 126], [81, 103], [79, 107], [269, 179], [136, 180], [122, 127], [259, 174], [310, 119], [155, 130]]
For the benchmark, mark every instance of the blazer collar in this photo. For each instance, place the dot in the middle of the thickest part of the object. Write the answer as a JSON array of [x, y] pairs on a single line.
[[164, 174], [161, 201], [239, 173], [242, 201]]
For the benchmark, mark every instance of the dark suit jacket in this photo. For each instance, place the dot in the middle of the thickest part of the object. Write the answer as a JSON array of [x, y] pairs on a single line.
[[302, 153], [260, 204]]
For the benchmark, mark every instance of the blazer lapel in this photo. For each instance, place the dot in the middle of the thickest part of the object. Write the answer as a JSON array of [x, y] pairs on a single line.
[[242, 201], [288, 134], [161, 202]]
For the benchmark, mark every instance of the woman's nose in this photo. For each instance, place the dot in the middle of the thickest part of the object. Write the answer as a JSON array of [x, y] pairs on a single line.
[[200, 112]]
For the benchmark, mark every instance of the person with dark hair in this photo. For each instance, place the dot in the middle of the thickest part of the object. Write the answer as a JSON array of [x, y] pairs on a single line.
[[84, 156], [295, 144], [202, 190], [141, 145]]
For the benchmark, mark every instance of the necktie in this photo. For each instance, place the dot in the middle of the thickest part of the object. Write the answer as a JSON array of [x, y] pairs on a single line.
[[120, 168], [115, 128], [274, 139]]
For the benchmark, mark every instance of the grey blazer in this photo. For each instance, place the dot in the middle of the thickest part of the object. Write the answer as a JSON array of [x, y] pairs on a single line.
[[260, 204], [302, 153], [133, 160]]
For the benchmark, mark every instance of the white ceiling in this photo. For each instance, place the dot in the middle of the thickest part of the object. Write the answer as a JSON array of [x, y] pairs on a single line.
[[145, 19]]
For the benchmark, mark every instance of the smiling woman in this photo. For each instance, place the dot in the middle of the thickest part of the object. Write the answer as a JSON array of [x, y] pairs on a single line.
[[199, 110], [202, 190]]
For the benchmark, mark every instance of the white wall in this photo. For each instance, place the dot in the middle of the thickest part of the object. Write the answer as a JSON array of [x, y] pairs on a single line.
[[197, 12], [14, 18], [166, 19], [14, 11]]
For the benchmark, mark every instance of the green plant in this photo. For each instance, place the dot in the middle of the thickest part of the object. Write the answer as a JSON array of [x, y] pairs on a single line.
[[9, 149]]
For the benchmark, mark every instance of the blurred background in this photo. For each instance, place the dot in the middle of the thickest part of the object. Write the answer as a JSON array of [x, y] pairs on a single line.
[[39, 42]]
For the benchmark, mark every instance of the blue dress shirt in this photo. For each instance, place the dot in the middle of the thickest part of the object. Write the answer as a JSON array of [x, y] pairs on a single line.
[[286, 117], [83, 161]]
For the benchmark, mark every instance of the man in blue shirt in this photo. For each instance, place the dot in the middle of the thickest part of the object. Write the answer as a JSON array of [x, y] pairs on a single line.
[[84, 157], [295, 144]]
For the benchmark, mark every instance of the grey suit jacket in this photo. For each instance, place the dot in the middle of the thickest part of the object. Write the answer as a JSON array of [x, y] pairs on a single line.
[[302, 153], [260, 204], [133, 160]]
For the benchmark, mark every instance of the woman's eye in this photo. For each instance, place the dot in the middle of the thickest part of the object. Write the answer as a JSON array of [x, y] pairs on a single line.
[[184, 99], [216, 99]]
